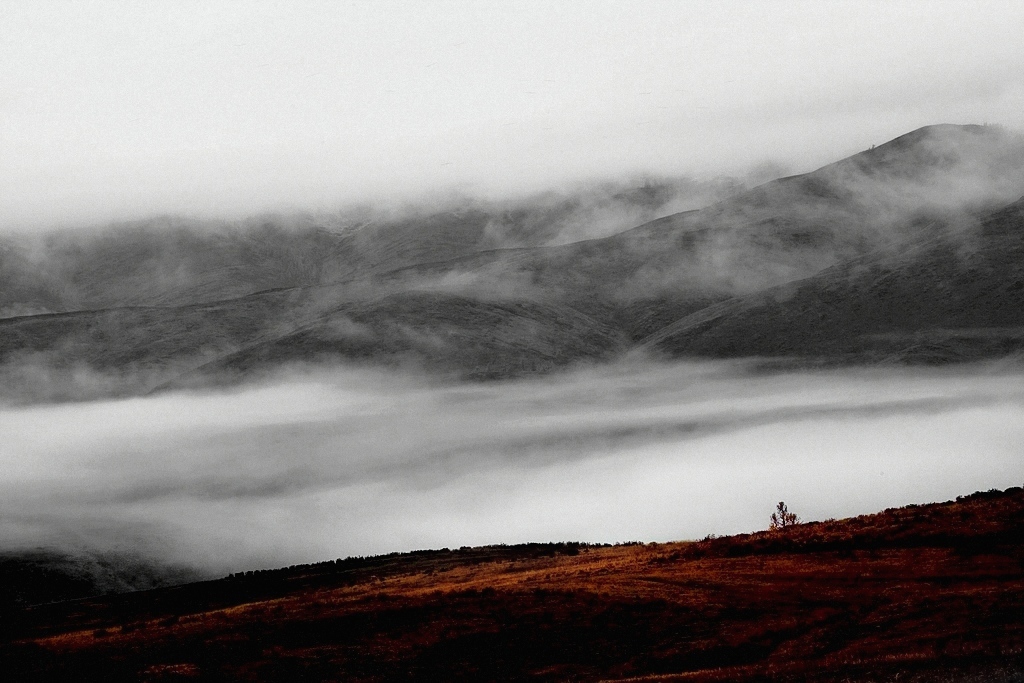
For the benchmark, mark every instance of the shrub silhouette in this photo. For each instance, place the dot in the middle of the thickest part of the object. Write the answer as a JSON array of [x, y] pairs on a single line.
[[782, 517]]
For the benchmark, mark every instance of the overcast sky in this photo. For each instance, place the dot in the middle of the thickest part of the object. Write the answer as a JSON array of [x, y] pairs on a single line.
[[124, 109]]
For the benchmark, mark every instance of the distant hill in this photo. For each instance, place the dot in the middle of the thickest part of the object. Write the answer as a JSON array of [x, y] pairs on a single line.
[[908, 252], [946, 296], [169, 261], [928, 593], [41, 575]]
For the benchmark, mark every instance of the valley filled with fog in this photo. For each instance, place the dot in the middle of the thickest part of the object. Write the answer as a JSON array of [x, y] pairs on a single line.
[[287, 285], [322, 463], [618, 362]]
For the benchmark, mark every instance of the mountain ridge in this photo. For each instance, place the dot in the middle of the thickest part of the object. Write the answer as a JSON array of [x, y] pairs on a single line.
[[937, 209]]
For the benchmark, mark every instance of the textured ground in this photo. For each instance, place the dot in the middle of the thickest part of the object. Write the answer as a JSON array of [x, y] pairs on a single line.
[[925, 593]]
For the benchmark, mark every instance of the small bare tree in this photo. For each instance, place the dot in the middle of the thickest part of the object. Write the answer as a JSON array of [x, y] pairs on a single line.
[[782, 517]]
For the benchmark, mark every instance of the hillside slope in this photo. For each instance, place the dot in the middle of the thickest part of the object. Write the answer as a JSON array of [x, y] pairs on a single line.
[[173, 261], [42, 575], [925, 593], [781, 231], [948, 297], [908, 252]]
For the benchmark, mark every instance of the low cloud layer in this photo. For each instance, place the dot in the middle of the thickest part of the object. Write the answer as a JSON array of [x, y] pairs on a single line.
[[323, 465], [171, 260]]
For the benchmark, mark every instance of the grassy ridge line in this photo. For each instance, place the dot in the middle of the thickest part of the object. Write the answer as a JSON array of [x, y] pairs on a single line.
[[967, 525], [944, 596]]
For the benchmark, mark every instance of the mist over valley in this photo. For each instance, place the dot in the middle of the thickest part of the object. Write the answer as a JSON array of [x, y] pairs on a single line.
[[529, 341], [330, 463], [591, 364]]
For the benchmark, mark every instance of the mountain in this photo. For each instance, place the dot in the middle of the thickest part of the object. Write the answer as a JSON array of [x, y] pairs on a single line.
[[906, 252], [167, 261], [928, 593], [945, 297], [785, 229]]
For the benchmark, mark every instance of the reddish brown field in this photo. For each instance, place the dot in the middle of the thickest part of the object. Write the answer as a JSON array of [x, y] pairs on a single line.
[[922, 593]]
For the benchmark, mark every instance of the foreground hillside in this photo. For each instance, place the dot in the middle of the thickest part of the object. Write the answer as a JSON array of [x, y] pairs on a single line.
[[921, 593]]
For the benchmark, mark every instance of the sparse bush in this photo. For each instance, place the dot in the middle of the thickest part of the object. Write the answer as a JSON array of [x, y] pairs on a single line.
[[782, 518]]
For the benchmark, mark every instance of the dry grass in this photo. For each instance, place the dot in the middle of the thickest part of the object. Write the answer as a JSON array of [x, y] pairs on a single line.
[[928, 592]]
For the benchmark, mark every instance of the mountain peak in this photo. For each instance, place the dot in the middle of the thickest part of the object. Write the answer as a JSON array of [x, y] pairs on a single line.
[[941, 145]]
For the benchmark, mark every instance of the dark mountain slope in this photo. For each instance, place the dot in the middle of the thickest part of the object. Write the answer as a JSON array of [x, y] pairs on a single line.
[[877, 257], [42, 575], [124, 351], [179, 261], [777, 232], [134, 350], [781, 231], [443, 333], [953, 296]]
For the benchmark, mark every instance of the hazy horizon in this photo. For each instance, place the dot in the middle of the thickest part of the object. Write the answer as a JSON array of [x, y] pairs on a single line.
[[117, 111]]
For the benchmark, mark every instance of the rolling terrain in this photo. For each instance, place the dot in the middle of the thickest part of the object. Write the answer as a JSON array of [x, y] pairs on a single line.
[[922, 593], [938, 299], [908, 252]]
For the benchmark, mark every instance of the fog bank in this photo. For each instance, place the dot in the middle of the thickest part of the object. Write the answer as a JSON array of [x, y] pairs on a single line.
[[328, 465]]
